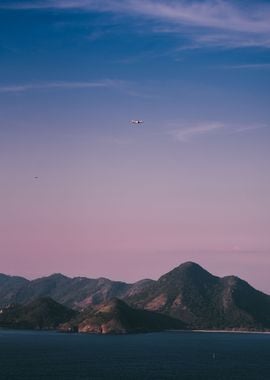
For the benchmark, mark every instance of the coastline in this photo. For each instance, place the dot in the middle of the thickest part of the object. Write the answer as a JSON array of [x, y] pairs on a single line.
[[137, 332], [232, 331]]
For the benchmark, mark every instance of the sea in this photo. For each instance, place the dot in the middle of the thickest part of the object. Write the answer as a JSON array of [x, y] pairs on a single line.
[[31, 355]]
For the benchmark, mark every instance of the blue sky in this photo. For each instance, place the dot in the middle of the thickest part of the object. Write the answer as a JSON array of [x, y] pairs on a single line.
[[193, 183]]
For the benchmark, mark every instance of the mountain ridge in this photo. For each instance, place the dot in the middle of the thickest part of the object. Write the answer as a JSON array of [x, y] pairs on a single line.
[[188, 293]]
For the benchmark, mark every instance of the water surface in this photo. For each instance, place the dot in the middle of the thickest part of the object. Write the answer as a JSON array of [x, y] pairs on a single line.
[[27, 355]]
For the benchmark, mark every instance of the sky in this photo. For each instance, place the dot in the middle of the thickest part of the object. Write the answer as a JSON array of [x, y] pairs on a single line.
[[113, 200]]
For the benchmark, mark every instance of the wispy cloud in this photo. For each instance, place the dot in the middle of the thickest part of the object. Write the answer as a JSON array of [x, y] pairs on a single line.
[[254, 66], [232, 40], [185, 134], [122, 86], [210, 13], [207, 23], [17, 88], [247, 128]]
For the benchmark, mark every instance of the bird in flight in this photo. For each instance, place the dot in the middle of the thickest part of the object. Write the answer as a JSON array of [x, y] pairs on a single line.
[[136, 121]]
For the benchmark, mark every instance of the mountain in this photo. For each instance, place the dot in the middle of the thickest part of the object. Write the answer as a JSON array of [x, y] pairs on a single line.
[[118, 318], [202, 300], [78, 292], [9, 286], [188, 293], [43, 313]]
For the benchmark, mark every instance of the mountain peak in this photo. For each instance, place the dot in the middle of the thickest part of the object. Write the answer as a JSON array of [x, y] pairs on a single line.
[[57, 276], [188, 292], [187, 269], [189, 265]]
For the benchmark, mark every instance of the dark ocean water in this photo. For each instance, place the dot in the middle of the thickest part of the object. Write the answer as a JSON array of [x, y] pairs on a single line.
[[26, 355]]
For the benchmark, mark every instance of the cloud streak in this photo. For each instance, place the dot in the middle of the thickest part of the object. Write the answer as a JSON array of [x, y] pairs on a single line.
[[188, 133], [247, 128], [254, 66], [122, 86], [208, 23], [17, 88], [185, 134]]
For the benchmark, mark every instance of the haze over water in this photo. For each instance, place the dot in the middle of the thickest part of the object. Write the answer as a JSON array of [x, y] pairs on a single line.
[[127, 202]]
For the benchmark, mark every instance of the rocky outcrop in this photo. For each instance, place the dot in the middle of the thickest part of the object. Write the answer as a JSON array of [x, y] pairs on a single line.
[[116, 317]]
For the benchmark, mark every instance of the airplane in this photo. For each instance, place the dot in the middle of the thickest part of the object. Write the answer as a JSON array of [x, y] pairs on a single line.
[[136, 121]]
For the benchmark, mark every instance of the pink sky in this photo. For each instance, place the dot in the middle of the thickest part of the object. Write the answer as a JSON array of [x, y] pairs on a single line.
[[130, 215], [191, 183]]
